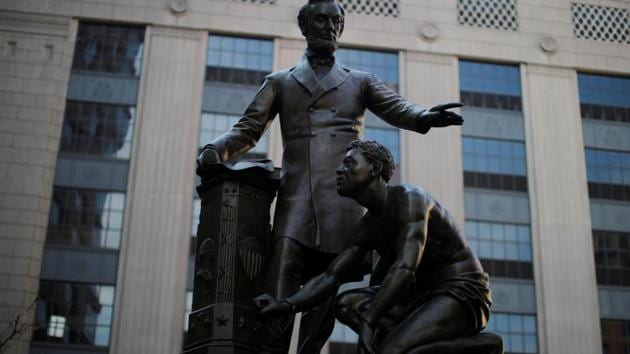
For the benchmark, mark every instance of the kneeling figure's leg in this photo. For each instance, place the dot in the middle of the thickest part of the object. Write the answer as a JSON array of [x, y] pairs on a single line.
[[440, 318]]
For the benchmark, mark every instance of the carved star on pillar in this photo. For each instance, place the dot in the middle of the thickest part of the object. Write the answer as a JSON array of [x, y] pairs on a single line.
[[222, 320]]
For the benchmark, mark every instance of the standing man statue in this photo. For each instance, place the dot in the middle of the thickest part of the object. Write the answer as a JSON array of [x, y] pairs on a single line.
[[321, 105], [435, 296]]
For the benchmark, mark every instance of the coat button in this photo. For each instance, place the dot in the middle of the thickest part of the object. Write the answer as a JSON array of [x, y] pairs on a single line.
[[333, 109], [311, 109]]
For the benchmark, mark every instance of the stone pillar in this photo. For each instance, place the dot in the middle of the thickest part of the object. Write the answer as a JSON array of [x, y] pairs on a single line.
[[564, 266], [150, 297], [234, 246], [35, 59], [434, 160]]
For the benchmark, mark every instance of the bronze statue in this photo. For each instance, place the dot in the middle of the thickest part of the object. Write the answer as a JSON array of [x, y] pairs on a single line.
[[434, 297], [321, 104]]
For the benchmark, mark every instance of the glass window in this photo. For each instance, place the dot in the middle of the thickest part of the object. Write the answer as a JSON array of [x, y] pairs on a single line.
[[604, 90], [615, 336], [612, 257], [385, 66], [188, 309], [238, 60], [489, 78], [518, 332], [86, 218], [74, 313], [500, 241], [215, 124], [607, 166], [494, 156], [382, 64], [109, 49], [604, 97], [98, 129]]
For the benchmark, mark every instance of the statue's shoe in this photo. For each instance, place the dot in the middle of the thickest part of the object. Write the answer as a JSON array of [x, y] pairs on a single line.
[[482, 343]]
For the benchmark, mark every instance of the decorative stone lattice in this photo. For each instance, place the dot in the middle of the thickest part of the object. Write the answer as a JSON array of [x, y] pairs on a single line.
[[498, 14], [268, 2], [387, 8], [601, 23]]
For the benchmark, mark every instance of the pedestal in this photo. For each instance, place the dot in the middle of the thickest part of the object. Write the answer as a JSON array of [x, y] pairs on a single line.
[[233, 245]]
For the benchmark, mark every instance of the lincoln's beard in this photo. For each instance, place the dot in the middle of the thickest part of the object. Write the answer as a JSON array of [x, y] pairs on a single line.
[[321, 46]]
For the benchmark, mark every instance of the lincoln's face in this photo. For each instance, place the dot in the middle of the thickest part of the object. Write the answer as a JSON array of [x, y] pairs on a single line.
[[354, 174], [323, 27]]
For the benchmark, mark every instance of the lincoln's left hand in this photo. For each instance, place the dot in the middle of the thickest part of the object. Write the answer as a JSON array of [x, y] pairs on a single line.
[[438, 116]]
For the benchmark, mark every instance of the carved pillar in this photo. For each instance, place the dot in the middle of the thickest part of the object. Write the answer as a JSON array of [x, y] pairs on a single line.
[[234, 239]]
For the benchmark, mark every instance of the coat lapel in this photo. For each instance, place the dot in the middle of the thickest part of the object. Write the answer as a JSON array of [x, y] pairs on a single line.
[[305, 76], [335, 77]]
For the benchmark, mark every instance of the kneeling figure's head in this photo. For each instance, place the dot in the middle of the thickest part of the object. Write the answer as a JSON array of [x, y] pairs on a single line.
[[365, 162]]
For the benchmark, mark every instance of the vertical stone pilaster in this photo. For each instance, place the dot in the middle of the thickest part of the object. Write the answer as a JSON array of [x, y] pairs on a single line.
[[564, 267], [150, 298], [434, 160]]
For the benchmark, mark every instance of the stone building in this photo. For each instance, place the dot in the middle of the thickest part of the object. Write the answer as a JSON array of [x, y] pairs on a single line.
[[104, 104]]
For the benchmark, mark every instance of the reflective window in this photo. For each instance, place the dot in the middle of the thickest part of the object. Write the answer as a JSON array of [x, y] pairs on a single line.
[[215, 124], [493, 240], [604, 90], [518, 332], [238, 60], [195, 216], [489, 85], [604, 97], [98, 129], [385, 66], [74, 313], [86, 218], [387, 137], [188, 309], [606, 166], [109, 49], [382, 64], [616, 336], [494, 156], [612, 257], [489, 78]]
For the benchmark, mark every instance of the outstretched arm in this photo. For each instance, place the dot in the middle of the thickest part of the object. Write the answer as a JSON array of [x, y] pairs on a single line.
[[344, 268], [399, 112], [247, 131]]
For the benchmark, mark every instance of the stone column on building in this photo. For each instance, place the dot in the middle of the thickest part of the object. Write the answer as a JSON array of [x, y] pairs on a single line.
[[35, 59], [150, 297], [434, 160], [564, 266]]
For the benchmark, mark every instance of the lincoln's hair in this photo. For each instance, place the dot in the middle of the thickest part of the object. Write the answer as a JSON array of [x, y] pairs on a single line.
[[304, 13], [374, 152]]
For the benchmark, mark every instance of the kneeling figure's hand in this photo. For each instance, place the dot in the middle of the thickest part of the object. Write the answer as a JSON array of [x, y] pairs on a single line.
[[268, 305]]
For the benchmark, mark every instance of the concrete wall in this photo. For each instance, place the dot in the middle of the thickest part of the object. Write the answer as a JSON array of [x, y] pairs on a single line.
[[35, 57]]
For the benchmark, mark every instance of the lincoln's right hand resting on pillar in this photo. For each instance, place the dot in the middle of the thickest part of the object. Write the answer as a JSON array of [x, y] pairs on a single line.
[[435, 295]]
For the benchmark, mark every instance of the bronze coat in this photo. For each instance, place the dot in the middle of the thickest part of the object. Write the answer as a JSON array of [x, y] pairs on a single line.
[[318, 119]]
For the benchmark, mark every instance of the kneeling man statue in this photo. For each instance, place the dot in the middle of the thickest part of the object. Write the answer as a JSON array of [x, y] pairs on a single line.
[[434, 296]]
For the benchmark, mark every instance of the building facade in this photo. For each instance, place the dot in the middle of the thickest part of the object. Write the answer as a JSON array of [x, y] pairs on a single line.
[[105, 103]]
